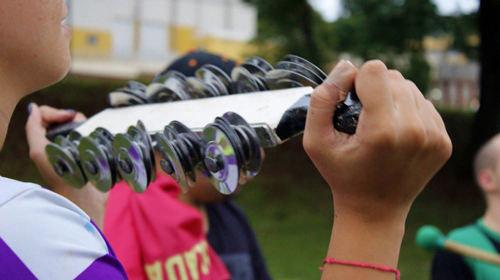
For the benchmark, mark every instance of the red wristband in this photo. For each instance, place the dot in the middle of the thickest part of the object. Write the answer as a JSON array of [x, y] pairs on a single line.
[[377, 267]]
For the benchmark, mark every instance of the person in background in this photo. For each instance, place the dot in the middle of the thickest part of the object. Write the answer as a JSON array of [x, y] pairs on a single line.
[[484, 234], [375, 174], [200, 221]]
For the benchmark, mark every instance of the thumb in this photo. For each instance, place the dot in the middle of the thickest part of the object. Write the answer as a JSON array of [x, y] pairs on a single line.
[[35, 125], [324, 102]]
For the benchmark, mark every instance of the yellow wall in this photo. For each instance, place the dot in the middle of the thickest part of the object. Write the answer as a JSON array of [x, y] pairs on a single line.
[[433, 43], [228, 48], [183, 40], [91, 43]]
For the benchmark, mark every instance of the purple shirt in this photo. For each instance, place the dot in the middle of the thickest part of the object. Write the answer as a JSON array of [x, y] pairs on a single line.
[[45, 236]]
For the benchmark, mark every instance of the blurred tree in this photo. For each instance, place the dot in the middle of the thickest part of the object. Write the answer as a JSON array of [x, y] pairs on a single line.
[[391, 30], [289, 27], [464, 31]]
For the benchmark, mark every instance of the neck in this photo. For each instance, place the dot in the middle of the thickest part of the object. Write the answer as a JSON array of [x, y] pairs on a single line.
[[492, 216], [183, 197], [9, 97]]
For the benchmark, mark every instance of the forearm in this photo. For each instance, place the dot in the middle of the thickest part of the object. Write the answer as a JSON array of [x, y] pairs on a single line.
[[357, 240]]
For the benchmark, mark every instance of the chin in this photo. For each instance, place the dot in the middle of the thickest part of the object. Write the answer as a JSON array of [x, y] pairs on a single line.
[[58, 72]]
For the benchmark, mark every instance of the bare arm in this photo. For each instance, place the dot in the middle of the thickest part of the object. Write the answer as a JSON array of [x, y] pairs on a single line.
[[375, 174]]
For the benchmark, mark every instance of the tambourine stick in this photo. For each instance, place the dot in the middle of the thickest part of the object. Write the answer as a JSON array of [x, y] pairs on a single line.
[[430, 238]]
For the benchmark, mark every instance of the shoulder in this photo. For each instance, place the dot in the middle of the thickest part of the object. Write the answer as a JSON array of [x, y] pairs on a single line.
[[49, 234], [471, 235], [463, 233]]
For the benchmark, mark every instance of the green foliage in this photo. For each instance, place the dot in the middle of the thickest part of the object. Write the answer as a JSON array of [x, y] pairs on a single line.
[[391, 30], [461, 27], [289, 27], [418, 70], [385, 26]]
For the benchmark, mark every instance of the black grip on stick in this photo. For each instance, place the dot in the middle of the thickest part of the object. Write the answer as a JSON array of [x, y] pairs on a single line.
[[62, 129]]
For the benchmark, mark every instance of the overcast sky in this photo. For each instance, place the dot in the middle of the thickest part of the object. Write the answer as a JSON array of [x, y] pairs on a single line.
[[330, 9]]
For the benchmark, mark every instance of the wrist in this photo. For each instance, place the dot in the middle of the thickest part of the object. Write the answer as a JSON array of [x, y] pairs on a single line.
[[357, 239]]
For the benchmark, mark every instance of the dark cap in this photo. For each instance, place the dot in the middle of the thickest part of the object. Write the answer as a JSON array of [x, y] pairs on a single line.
[[189, 63]]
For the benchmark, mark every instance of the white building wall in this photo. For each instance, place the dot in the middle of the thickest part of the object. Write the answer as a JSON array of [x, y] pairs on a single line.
[[187, 12], [92, 14], [230, 20]]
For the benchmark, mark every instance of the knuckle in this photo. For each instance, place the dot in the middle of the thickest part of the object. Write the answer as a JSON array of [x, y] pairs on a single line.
[[415, 137], [411, 84], [395, 74], [443, 145], [374, 66], [384, 138], [447, 146], [36, 155]]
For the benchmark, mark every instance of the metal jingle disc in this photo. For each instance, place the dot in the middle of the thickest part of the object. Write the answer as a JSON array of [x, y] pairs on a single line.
[[274, 77], [134, 92], [121, 99], [161, 77], [137, 137], [105, 140], [149, 153], [176, 82], [195, 140], [209, 78], [284, 84], [135, 86], [259, 62], [309, 65], [233, 138], [106, 134], [243, 81], [223, 77], [261, 82], [183, 153], [237, 146], [69, 146], [254, 69], [159, 93], [198, 89], [65, 165], [171, 163], [220, 159], [131, 165], [96, 165], [74, 136], [301, 69], [254, 162]]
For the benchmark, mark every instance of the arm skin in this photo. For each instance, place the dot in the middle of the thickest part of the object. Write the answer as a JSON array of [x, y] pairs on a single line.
[[89, 199], [375, 174]]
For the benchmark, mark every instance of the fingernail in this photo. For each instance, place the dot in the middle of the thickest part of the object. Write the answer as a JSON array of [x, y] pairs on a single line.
[[71, 111], [30, 107], [348, 61]]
